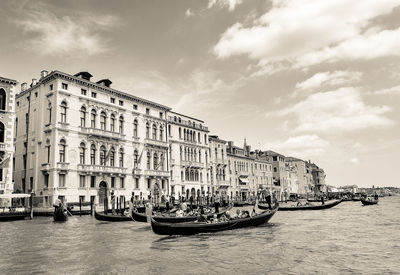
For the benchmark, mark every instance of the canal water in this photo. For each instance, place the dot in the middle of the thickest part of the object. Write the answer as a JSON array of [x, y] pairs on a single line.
[[347, 239]]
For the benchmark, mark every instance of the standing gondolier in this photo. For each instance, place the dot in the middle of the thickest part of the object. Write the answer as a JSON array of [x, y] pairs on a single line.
[[267, 195]]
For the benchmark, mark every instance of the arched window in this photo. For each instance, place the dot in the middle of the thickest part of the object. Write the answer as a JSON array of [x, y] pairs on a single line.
[[121, 124], [92, 154], [63, 108], [103, 152], [148, 160], [199, 155], [135, 158], [62, 146], [49, 110], [83, 116], [93, 115], [112, 123], [135, 128], [155, 161], [180, 152], [112, 156], [103, 120], [184, 134], [3, 99], [154, 136], [82, 152], [161, 133], [121, 157], [2, 132], [147, 130], [161, 162]]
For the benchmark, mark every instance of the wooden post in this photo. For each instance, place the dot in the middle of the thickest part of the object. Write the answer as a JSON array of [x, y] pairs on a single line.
[[80, 206], [91, 206], [31, 200]]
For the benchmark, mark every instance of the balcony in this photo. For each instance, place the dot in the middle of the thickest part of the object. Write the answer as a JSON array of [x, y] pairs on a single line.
[[45, 166], [223, 183], [155, 173], [101, 169], [156, 143], [186, 123], [102, 133], [192, 164], [62, 166]]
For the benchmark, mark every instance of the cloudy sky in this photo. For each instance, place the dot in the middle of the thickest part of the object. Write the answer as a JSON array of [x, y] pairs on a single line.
[[317, 80]]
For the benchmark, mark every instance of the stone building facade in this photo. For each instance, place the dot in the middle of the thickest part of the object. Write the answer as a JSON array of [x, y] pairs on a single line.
[[190, 157], [80, 140], [7, 120], [219, 172]]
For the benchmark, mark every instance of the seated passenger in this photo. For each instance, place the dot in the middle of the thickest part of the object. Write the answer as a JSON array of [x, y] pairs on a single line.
[[215, 218], [245, 214]]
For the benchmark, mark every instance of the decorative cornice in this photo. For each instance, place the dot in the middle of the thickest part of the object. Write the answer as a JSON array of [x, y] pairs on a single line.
[[8, 81]]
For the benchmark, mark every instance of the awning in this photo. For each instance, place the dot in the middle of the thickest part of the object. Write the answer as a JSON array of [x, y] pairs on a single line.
[[244, 180], [10, 196]]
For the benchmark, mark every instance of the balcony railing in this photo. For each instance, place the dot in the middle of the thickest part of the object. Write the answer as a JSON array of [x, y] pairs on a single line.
[[62, 165], [156, 142], [223, 183], [102, 133], [45, 166], [155, 173], [101, 168], [186, 123], [191, 163]]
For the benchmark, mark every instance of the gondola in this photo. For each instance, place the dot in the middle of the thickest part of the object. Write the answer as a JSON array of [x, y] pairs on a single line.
[[60, 215], [191, 228], [159, 217], [369, 202], [305, 207], [13, 216], [243, 203], [111, 217]]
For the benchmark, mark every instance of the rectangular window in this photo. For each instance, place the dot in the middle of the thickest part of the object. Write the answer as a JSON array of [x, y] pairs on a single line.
[[148, 183], [36, 94], [121, 103], [147, 111], [169, 131], [112, 100], [122, 183], [64, 86], [161, 115], [82, 198], [94, 95], [112, 182], [51, 87], [134, 106], [82, 181], [137, 183], [83, 92], [92, 181], [61, 180], [31, 183]]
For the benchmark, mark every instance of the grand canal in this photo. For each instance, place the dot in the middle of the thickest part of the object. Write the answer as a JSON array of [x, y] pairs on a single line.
[[346, 239]]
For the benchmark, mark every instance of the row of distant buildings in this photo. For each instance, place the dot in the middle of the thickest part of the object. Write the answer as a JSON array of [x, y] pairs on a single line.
[[70, 137]]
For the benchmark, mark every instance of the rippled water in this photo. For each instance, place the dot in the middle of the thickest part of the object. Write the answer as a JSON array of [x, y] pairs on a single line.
[[349, 238]]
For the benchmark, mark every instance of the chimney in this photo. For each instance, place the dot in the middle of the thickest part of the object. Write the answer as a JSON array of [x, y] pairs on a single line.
[[24, 86], [34, 81], [104, 82], [43, 73]]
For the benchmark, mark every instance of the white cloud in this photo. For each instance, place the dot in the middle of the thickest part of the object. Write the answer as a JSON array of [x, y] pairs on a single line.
[[389, 91], [303, 146], [78, 35], [189, 13], [337, 111], [292, 29], [355, 160], [230, 4], [324, 79]]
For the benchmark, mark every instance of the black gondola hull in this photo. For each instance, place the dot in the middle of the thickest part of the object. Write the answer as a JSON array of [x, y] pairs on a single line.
[[305, 207], [192, 228], [59, 215]]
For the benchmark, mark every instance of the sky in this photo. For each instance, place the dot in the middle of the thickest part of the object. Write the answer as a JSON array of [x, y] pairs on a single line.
[[316, 80]]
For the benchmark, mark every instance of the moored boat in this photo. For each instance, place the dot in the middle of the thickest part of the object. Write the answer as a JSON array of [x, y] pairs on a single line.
[[13, 216], [243, 203], [191, 228], [305, 207], [369, 202], [111, 217], [60, 215]]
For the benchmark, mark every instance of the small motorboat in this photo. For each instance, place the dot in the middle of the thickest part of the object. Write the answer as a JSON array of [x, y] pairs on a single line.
[[60, 215], [305, 207], [111, 217], [191, 228], [13, 216], [369, 201]]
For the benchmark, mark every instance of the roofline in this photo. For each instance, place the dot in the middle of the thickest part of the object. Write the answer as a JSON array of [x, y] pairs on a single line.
[[172, 112], [8, 80], [55, 74]]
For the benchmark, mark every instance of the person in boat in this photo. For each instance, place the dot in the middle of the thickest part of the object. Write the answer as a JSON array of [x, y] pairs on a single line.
[[57, 204], [215, 218], [217, 203], [322, 199], [179, 213], [376, 196], [184, 205], [267, 196]]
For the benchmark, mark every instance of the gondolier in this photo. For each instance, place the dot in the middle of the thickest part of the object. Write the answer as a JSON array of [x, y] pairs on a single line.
[[267, 196]]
